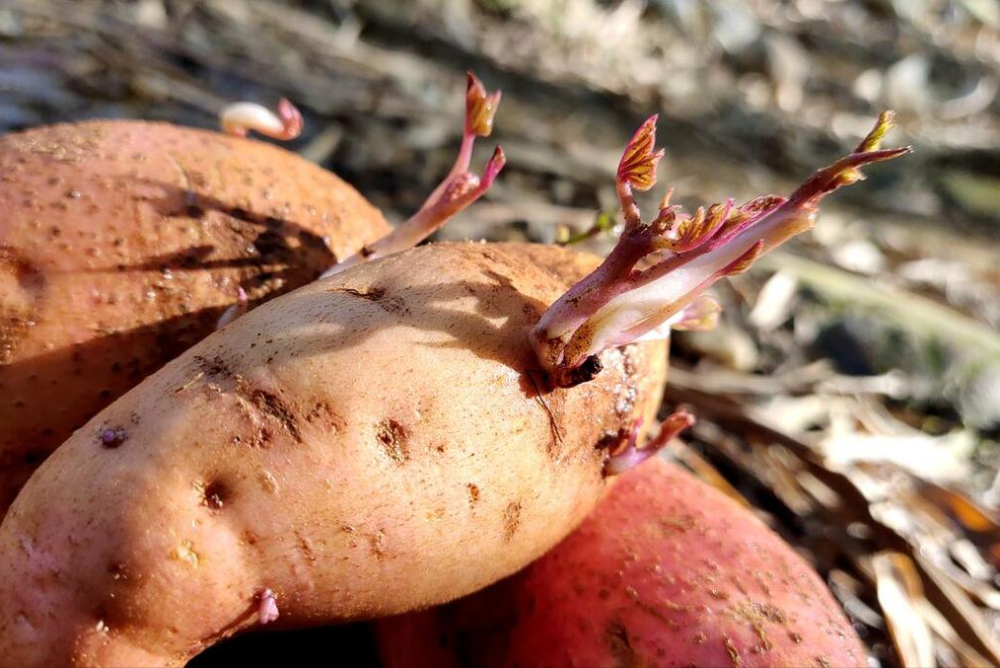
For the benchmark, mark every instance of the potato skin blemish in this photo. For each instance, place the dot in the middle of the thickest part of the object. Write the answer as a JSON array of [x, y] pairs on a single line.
[[113, 438]]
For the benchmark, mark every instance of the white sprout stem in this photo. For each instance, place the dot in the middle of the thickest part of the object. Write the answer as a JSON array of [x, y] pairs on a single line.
[[633, 313], [241, 117], [701, 315]]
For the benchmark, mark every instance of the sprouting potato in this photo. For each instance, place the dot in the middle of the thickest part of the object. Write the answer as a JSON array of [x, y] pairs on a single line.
[[404, 432]]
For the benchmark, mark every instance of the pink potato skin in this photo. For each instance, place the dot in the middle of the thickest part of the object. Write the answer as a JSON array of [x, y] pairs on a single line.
[[665, 572], [121, 244]]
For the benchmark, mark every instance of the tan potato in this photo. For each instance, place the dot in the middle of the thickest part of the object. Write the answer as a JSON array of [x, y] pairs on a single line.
[[122, 242], [369, 444]]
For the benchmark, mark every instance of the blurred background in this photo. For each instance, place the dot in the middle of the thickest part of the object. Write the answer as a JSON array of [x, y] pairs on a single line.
[[852, 389]]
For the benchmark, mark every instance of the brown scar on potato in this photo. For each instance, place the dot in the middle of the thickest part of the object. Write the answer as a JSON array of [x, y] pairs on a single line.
[[372, 295], [511, 519], [305, 546], [267, 403], [271, 404], [734, 655], [473, 494], [216, 494], [394, 304], [377, 541], [650, 609], [620, 645], [22, 285], [677, 524], [756, 612], [322, 410], [392, 436]]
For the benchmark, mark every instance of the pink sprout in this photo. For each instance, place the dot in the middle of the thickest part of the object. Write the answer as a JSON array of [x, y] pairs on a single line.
[[458, 190], [267, 609], [112, 438], [632, 455], [655, 275]]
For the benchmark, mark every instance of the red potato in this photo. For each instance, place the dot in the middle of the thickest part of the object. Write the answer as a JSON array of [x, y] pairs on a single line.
[[326, 457], [122, 242], [665, 572]]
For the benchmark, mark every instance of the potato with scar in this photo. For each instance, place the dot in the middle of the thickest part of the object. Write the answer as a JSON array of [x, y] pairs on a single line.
[[404, 432]]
